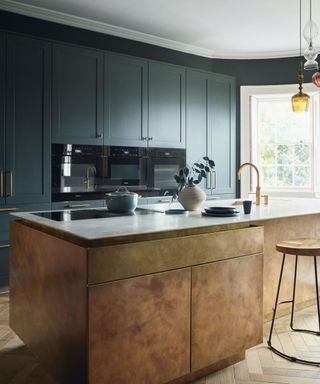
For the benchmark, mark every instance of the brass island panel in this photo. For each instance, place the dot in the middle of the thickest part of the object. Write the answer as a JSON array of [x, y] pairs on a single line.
[[127, 260]]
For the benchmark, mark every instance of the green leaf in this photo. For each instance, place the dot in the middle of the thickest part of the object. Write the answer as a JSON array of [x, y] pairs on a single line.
[[207, 169], [196, 182], [206, 158], [201, 165], [211, 163]]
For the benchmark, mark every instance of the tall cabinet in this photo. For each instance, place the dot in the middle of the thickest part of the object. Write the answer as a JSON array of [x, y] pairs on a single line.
[[77, 95], [210, 126], [25, 96], [125, 100]]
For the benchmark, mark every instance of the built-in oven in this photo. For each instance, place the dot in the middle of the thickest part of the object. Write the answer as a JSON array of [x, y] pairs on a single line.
[[81, 172], [163, 164], [125, 166], [75, 168]]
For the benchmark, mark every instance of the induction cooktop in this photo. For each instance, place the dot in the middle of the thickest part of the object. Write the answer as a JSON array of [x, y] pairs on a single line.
[[86, 214]]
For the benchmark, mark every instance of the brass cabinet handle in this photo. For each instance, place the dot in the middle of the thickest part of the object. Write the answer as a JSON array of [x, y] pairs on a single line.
[[77, 206], [4, 246], [212, 180], [12, 209], [1, 184], [11, 183]]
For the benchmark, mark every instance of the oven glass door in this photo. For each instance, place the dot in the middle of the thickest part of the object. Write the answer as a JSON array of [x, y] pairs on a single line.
[[126, 171], [161, 172]]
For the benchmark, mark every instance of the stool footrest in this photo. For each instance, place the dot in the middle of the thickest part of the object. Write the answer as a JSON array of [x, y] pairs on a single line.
[[316, 333], [293, 358]]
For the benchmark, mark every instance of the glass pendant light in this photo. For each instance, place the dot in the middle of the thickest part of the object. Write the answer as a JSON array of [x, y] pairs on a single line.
[[316, 78], [300, 101], [310, 32]]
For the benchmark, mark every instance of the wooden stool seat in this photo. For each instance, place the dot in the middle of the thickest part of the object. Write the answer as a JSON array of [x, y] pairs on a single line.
[[297, 247], [301, 247]]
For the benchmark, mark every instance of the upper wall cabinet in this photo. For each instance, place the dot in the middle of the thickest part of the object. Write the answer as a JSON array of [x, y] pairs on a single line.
[[77, 104], [166, 105], [2, 114], [211, 127], [222, 131], [27, 125], [125, 103]]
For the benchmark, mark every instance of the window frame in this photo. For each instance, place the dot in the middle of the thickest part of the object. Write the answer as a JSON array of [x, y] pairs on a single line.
[[248, 178]]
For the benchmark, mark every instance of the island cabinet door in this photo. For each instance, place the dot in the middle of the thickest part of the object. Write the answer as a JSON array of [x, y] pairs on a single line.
[[226, 309], [139, 329]]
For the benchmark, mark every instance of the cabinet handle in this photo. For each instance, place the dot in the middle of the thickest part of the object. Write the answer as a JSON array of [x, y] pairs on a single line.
[[11, 184], [4, 246], [13, 209], [77, 206], [212, 180], [144, 138], [99, 135], [150, 138], [1, 184]]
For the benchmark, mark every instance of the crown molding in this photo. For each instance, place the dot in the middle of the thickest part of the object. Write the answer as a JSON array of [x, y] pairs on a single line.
[[97, 26]]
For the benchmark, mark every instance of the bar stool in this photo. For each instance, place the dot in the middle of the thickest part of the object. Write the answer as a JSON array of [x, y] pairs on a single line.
[[299, 247]]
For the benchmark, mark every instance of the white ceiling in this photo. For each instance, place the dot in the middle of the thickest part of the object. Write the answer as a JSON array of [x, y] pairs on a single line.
[[213, 28]]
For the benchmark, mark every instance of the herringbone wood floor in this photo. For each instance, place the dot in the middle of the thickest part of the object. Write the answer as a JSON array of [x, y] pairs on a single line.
[[18, 366]]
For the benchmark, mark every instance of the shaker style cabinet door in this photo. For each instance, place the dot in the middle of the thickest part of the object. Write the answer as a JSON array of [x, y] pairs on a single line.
[[210, 127], [166, 106], [27, 121], [197, 117], [2, 114], [77, 95], [125, 103], [222, 132]]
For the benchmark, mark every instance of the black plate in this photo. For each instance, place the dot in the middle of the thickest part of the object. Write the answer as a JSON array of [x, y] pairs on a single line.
[[176, 212], [220, 209], [221, 214]]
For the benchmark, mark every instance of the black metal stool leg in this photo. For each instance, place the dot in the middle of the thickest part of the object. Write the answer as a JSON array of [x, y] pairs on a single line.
[[277, 299], [294, 291], [317, 290]]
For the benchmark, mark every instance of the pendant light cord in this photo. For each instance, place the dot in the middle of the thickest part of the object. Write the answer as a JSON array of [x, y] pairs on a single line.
[[300, 27]]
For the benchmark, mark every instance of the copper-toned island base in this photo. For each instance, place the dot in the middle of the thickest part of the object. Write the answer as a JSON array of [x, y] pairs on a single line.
[[151, 312]]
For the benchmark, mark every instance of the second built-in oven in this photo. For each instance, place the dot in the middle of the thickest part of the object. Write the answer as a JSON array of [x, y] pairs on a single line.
[[163, 165]]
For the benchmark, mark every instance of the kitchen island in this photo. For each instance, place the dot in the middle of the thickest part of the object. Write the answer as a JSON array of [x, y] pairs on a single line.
[[150, 298]]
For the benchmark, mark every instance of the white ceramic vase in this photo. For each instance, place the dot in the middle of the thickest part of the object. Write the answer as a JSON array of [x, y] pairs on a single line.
[[191, 197]]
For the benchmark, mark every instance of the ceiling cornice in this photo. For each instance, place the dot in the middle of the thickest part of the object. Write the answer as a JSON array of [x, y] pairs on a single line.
[[97, 26]]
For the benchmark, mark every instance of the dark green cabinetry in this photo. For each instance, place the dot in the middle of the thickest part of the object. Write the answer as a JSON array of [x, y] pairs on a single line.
[[25, 97], [27, 128], [2, 115], [222, 132], [77, 97], [210, 124], [125, 100], [166, 105], [5, 219]]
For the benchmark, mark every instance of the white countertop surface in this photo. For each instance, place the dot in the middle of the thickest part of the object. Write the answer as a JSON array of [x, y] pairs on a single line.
[[159, 222]]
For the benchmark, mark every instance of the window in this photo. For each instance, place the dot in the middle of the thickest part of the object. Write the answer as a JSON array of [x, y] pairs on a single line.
[[281, 143]]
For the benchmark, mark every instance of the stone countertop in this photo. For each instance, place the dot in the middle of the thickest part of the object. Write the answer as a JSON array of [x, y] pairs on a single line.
[[98, 232]]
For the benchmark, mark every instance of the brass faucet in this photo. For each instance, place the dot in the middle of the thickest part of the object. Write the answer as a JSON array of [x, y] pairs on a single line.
[[89, 169], [258, 189]]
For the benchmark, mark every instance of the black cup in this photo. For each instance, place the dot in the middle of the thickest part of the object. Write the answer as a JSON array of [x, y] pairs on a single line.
[[247, 206]]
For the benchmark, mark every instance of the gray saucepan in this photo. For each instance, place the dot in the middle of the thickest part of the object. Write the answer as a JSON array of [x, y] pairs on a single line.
[[121, 200]]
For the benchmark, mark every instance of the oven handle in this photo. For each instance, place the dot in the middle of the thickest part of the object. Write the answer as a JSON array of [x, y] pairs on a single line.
[[77, 206]]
